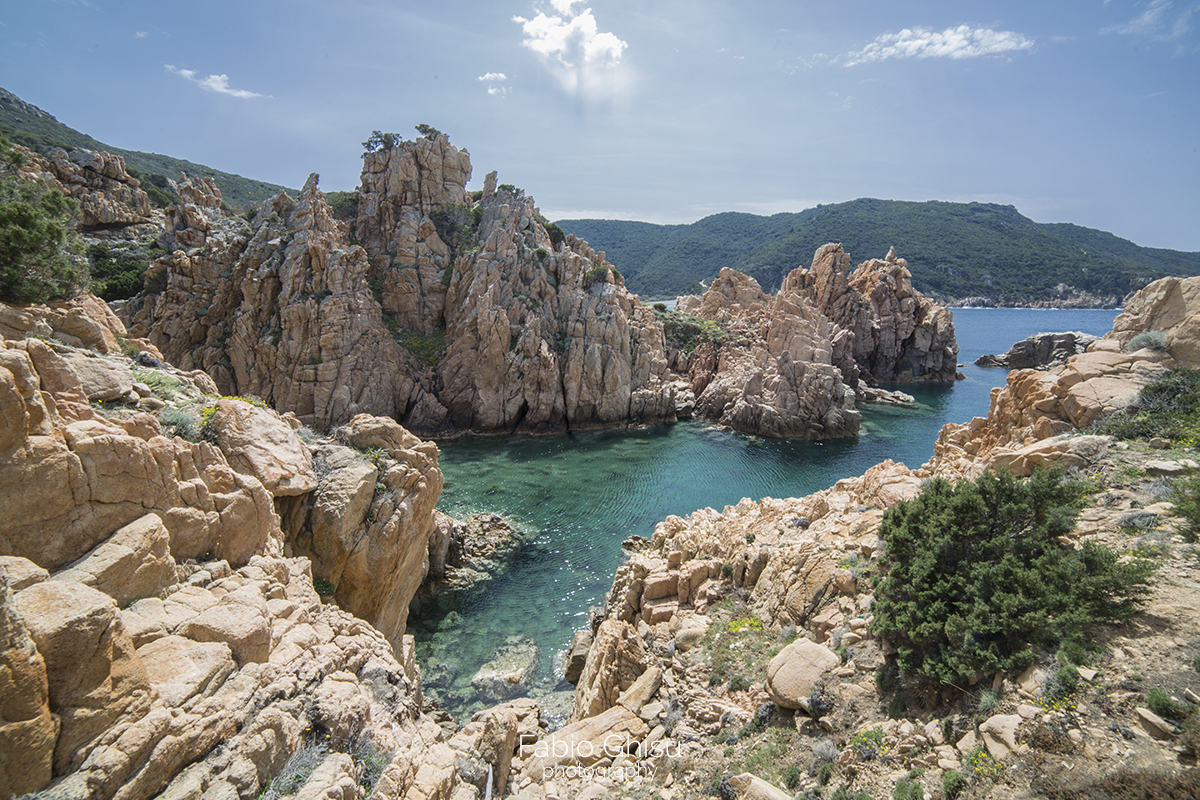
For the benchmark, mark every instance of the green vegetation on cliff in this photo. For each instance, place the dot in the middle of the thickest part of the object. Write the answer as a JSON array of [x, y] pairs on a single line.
[[31, 127], [954, 250]]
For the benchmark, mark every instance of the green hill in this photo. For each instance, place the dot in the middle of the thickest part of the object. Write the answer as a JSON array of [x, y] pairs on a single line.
[[954, 250], [28, 125]]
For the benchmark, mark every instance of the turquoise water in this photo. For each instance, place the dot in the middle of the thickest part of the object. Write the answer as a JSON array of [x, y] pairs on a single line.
[[578, 496]]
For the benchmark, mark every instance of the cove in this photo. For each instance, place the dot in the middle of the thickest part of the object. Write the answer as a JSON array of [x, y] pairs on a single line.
[[577, 496]]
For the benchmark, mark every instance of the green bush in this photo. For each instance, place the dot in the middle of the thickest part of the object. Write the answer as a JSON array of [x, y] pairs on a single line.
[[115, 276], [792, 775], [953, 784], [908, 790], [1169, 407], [1154, 340], [1186, 493], [39, 249], [973, 574], [1161, 703], [824, 773]]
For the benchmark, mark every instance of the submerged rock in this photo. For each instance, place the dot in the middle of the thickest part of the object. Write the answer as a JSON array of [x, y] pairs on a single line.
[[511, 673]]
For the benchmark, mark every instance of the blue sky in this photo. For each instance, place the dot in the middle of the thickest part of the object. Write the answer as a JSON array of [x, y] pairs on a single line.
[[1084, 111]]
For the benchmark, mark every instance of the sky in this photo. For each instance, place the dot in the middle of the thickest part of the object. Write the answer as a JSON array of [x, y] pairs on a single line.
[[665, 111]]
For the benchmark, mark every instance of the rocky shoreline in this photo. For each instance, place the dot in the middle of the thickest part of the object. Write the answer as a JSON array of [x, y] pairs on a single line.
[[201, 596]]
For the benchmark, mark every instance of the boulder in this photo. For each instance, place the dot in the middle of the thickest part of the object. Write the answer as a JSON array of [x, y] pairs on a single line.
[[133, 563], [752, 787], [796, 670], [180, 668], [94, 674], [102, 379], [27, 729], [257, 442], [999, 734], [584, 742], [1039, 351]]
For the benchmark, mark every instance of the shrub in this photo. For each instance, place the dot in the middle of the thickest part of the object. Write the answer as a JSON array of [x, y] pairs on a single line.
[[973, 573], [868, 743], [988, 701], [115, 277], [1169, 407], [1154, 340], [824, 773], [296, 772], [39, 249], [953, 784], [791, 776], [726, 570], [739, 683], [186, 424], [1059, 686], [1161, 703], [908, 790], [1187, 506]]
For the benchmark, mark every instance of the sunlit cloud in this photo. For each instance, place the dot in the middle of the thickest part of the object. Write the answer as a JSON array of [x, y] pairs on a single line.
[[573, 47], [142, 34], [213, 83], [495, 83], [954, 43]]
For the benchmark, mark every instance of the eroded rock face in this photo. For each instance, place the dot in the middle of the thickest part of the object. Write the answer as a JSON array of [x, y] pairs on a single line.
[[776, 376], [106, 193], [28, 732], [371, 520], [67, 470], [280, 310], [899, 334], [1169, 305], [515, 330]]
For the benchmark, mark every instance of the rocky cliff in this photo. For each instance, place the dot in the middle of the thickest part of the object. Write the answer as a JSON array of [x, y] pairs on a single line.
[[106, 193], [453, 313], [775, 374], [899, 334], [160, 630]]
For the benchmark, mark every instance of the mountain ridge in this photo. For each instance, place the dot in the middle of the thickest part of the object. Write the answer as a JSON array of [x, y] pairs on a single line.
[[958, 252]]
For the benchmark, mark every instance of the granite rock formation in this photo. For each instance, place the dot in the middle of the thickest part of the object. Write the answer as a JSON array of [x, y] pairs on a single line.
[[161, 642], [775, 374], [899, 334], [1039, 350], [496, 326], [106, 193]]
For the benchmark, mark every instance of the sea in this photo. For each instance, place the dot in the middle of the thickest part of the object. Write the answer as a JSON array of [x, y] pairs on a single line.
[[575, 497]]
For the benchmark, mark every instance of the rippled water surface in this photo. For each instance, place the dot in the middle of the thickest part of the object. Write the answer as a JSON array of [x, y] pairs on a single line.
[[578, 496]]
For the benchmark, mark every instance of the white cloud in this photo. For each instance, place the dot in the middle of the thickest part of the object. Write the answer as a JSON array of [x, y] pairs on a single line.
[[142, 34], [213, 83], [961, 42], [574, 47], [495, 81], [1157, 23]]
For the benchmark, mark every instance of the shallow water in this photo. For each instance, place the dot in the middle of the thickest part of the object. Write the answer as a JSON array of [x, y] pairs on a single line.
[[578, 496]]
